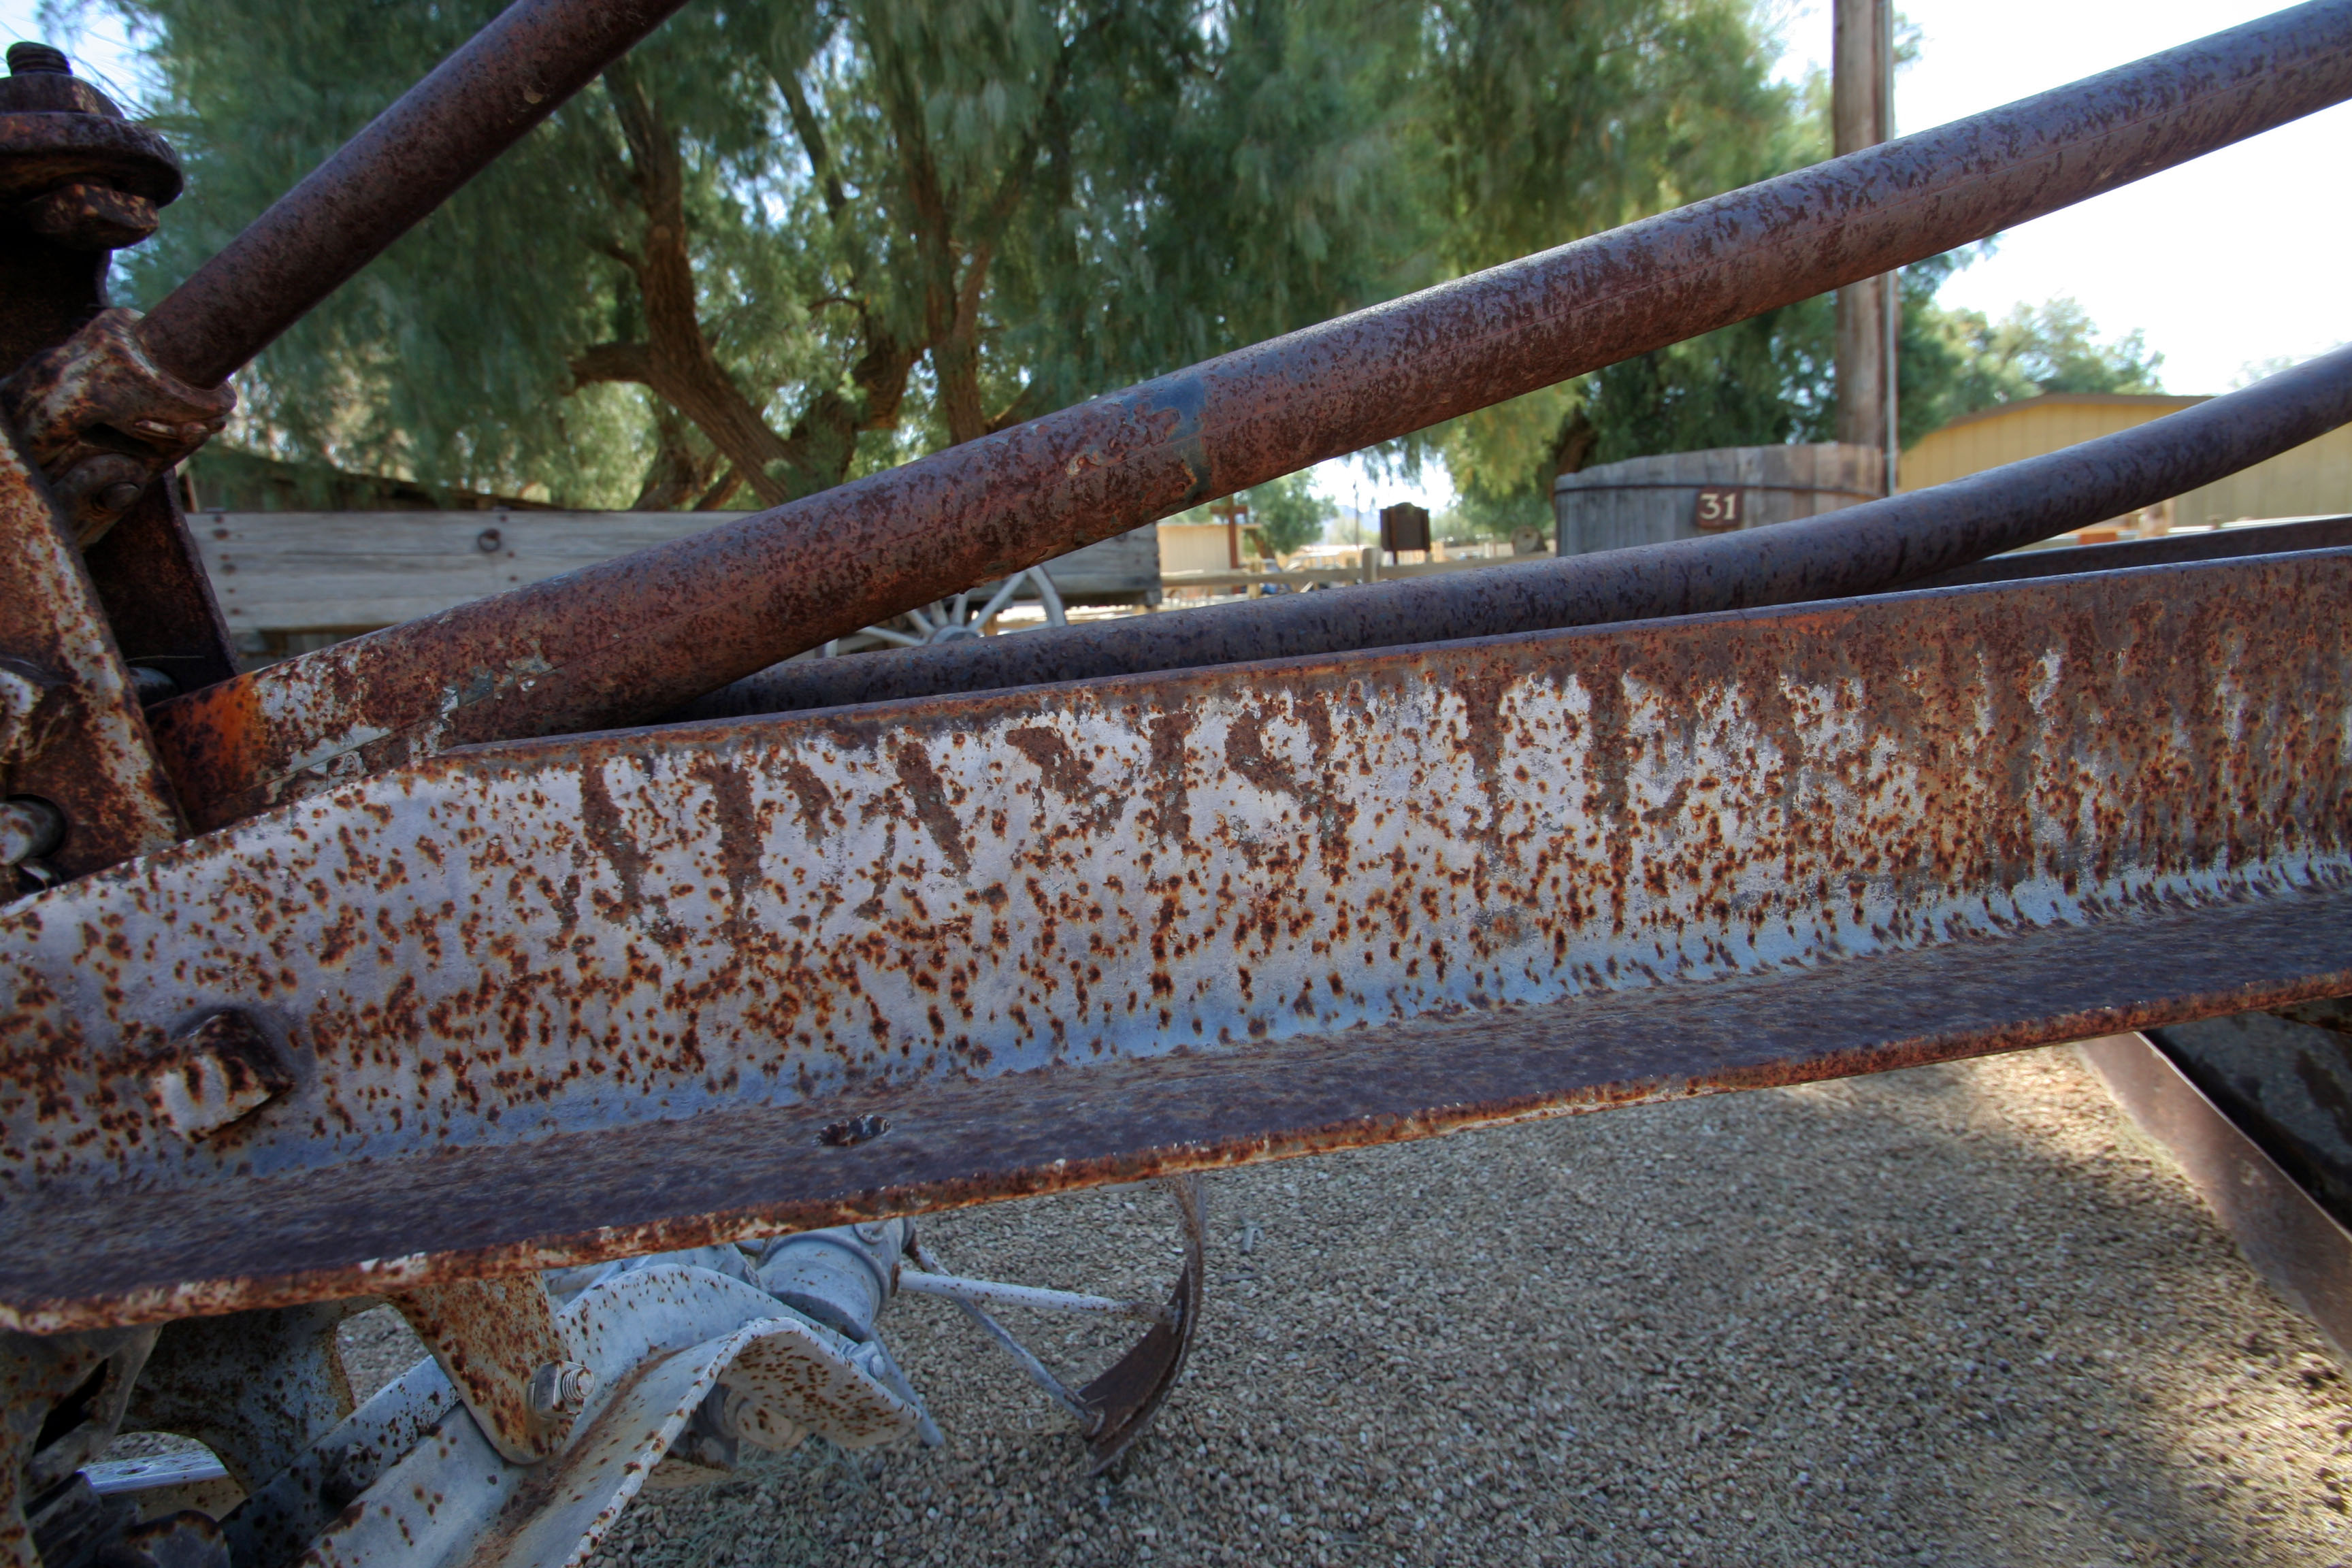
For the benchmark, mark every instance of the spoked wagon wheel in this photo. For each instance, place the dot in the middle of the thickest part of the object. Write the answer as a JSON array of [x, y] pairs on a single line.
[[951, 620]]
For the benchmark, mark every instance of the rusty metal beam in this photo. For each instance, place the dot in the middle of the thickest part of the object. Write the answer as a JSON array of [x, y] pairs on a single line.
[[405, 162], [571, 998], [2165, 549], [2289, 1238], [634, 638], [1925, 535]]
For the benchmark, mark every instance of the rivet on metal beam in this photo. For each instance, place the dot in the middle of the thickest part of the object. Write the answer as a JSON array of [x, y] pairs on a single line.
[[221, 1071]]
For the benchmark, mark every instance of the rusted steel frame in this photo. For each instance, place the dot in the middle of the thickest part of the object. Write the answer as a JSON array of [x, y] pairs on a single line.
[[567, 999], [2283, 1231], [71, 731], [634, 638], [1859, 550], [380, 184], [84, 182], [503, 1352]]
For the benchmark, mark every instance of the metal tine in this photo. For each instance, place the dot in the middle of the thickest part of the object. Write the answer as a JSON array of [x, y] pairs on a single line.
[[1021, 1353], [997, 1293], [1874, 547]]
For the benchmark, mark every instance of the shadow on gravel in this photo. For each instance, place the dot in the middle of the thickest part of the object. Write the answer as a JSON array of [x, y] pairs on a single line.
[[1954, 1316]]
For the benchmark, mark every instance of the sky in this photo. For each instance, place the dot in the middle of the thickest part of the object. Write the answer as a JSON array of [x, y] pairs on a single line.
[[2234, 260], [2230, 261]]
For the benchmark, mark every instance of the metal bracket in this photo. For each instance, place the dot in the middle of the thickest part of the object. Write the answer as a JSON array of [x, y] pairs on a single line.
[[257, 1388], [71, 731], [499, 1342], [61, 1401], [102, 419]]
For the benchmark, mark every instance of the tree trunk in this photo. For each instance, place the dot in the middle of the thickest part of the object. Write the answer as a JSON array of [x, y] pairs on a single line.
[[679, 475], [676, 359]]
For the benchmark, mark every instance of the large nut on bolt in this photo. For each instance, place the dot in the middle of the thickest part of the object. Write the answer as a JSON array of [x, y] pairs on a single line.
[[85, 216], [221, 1071], [102, 419], [559, 1390]]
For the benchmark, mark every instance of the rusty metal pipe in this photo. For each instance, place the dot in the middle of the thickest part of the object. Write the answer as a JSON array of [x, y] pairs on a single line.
[[631, 639], [409, 160], [1863, 549]]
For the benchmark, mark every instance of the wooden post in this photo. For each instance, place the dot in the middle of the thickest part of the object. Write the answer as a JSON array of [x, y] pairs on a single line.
[[1860, 113], [1232, 509]]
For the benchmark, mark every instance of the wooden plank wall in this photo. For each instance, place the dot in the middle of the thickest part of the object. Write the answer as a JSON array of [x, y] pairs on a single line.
[[281, 572]]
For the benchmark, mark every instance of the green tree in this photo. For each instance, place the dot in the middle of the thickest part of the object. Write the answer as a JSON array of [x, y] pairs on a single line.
[[2051, 348], [1955, 362], [784, 243], [1289, 513], [1709, 119], [788, 241]]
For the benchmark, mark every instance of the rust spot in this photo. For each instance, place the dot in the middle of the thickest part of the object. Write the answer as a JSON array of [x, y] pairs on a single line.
[[931, 801], [815, 800]]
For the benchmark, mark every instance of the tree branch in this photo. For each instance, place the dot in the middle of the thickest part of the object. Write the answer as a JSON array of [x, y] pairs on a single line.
[[812, 141], [612, 362]]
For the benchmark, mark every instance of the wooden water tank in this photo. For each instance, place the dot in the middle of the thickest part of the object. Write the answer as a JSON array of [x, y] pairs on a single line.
[[1682, 495]]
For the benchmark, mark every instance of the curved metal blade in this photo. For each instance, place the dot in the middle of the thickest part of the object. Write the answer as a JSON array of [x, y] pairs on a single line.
[[1123, 1400]]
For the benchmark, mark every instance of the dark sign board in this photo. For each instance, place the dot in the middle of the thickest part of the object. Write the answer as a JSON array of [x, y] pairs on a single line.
[[1405, 527]]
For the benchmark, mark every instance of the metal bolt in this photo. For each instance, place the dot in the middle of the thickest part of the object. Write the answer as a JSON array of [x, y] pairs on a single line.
[[29, 828], [35, 59], [560, 1389]]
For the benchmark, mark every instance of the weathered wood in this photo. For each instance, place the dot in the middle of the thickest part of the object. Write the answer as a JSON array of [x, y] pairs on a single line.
[[313, 571], [1648, 500]]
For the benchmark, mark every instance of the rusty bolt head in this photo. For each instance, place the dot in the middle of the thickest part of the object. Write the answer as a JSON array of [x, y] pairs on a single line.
[[560, 1389], [97, 491], [221, 1071], [29, 828]]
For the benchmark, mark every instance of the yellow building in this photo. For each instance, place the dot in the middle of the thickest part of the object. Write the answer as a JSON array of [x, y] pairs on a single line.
[[2314, 479], [1187, 547]]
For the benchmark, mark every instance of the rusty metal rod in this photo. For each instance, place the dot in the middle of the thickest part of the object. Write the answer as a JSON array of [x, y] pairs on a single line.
[[410, 159], [630, 639], [1877, 545]]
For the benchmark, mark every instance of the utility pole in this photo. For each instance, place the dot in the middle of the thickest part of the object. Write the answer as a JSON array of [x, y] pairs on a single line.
[[1862, 114]]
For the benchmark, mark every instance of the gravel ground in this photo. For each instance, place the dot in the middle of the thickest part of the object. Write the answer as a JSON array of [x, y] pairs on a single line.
[[1962, 1315]]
